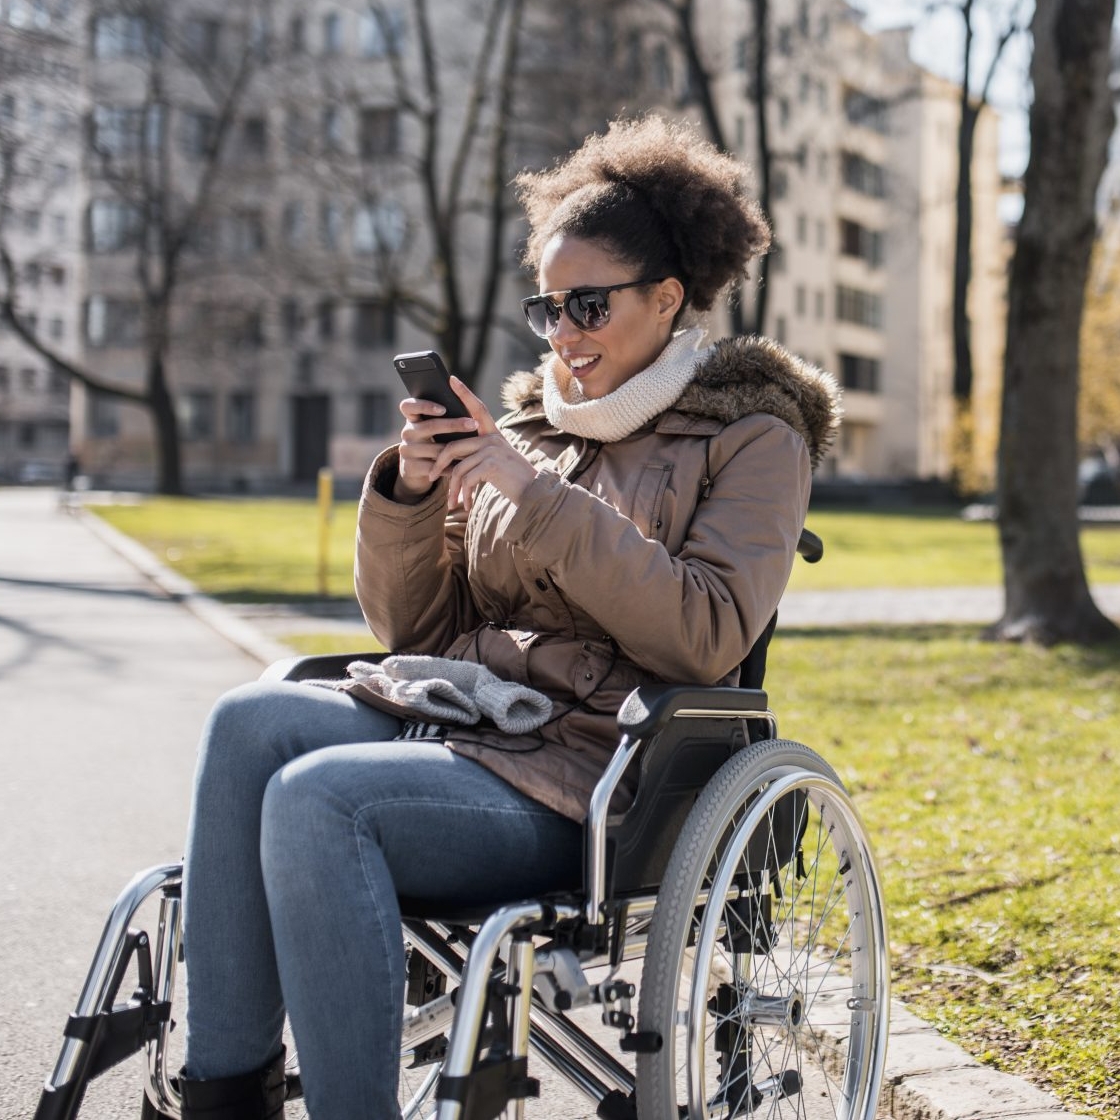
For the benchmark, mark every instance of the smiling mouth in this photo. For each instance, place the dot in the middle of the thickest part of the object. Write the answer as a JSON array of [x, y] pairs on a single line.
[[581, 367]]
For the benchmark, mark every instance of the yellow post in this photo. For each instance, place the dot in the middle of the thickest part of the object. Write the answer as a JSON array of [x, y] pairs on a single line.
[[326, 496]]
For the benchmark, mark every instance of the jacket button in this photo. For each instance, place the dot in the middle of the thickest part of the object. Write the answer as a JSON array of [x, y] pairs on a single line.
[[542, 584]]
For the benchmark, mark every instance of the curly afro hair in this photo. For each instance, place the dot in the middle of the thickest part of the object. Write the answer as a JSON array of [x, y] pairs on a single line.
[[656, 195]]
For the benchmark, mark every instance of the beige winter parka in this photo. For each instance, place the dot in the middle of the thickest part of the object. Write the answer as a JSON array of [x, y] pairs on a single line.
[[660, 557]]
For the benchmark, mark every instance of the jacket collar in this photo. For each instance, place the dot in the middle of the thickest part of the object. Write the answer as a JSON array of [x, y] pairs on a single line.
[[739, 377]]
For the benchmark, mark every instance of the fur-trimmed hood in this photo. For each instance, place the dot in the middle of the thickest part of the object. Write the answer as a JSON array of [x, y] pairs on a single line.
[[737, 377]]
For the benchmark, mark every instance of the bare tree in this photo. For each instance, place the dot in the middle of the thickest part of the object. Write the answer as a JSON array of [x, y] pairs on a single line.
[[1071, 120], [972, 103], [158, 208]]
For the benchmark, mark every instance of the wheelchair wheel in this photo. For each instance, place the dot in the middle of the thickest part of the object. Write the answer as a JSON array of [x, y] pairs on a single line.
[[766, 970]]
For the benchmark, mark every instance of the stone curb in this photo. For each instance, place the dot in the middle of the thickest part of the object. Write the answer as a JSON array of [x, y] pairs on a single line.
[[216, 615], [927, 1077]]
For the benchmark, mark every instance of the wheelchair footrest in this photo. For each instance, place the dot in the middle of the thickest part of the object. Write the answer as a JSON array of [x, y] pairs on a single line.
[[118, 1033], [489, 1087]]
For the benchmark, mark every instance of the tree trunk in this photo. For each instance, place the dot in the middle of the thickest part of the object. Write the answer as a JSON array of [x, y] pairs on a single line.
[[765, 156], [1047, 595], [169, 474], [962, 260]]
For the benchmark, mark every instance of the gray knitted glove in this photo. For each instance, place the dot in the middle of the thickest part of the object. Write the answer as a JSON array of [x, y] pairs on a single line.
[[427, 683], [437, 700]]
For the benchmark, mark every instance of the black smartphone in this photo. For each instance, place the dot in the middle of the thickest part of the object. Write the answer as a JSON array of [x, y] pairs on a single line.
[[426, 378]]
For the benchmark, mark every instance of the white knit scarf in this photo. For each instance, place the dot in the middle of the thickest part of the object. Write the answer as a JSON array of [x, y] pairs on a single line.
[[645, 395]]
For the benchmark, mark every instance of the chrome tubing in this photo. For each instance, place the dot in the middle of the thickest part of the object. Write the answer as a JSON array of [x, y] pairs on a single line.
[[107, 962], [162, 1094], [471, 1004], [596, 855]]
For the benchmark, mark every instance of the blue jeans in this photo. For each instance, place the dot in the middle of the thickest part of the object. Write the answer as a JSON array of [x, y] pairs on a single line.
[[307, 823]]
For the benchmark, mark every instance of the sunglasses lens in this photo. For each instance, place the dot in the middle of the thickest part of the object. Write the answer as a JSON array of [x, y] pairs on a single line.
[[542, 315], [588, 309]]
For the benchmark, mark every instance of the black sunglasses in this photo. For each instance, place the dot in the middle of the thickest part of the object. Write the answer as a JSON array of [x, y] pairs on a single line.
[[588, 308]]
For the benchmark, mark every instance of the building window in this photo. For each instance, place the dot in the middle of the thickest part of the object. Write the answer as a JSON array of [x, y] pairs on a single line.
[[379, 226], [56, 329], [330, 225], [241, 417], [293, 223], [379, 132], [297, 39], [196, 414], [381, 32], [198, 133], [377, 413], [254, 137], [203, 39], [5, 379], [245, 234], [113, 225], [123, 132], [802, 229], [777, 260], [27, 379], [332, 33], [374, 324], [248, 330], [866, 111], [858, 241], [859, 372], [325, 317], [291, 319], [124, 36], [799, 300], [853, 305], [104, 419], [297, 133], [780, 329], [332, 128], [818, 303], [662, 68], [113, 322], [862, 175]]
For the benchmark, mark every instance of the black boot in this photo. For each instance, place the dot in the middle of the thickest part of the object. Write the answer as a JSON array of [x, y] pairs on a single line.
[[246, 1096]]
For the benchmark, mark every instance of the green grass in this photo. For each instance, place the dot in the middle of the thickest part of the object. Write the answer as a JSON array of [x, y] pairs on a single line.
[[244, 550], [935, 549], [988, 779], [987, 774], [254, 550]]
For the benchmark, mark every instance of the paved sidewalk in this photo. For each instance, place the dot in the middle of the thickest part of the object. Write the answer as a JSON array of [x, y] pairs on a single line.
[[159, 643]]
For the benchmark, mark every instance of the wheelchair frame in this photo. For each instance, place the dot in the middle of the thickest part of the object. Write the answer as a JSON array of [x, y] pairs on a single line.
[[723, 892]]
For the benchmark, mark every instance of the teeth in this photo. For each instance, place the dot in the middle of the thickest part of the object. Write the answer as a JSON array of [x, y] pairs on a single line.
[[579, 363]]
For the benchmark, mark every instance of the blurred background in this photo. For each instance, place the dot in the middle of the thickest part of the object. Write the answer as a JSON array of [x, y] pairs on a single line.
[[220, 220]]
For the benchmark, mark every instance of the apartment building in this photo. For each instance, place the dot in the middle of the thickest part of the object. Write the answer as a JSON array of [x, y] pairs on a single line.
[[312, 261], [41, 205], [863, 173]]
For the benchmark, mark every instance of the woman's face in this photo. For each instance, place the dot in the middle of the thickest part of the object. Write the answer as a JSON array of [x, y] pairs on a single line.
[[641, 319]]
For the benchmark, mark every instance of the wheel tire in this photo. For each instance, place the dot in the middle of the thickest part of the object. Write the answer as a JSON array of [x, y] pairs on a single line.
[[790, 1018]]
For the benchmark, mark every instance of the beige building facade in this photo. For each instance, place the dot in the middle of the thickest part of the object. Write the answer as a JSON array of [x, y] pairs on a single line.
[[42, 202], [310, 265]]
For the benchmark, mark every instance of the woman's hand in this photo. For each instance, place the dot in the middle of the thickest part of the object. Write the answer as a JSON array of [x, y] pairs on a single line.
[[466, 463]]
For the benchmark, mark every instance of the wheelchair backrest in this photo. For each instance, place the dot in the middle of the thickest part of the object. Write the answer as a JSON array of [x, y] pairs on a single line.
[[675, 766]]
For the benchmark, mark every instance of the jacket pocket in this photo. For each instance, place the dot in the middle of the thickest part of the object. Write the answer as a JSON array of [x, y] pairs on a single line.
[[649, 498]]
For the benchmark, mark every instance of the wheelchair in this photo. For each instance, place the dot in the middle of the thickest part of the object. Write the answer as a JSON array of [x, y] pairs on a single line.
[[740, 877]]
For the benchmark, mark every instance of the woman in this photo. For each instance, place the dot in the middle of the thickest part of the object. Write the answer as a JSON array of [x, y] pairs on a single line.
[[633, 518]]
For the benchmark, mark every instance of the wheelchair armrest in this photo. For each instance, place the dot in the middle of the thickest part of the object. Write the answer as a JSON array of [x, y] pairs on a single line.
[[324, 666], [649, 708]]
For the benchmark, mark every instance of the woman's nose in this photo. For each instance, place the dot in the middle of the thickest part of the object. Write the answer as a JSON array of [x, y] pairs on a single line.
[[565, 329]]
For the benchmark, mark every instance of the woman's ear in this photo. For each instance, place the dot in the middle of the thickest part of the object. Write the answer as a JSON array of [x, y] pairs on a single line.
[[670, 296]]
